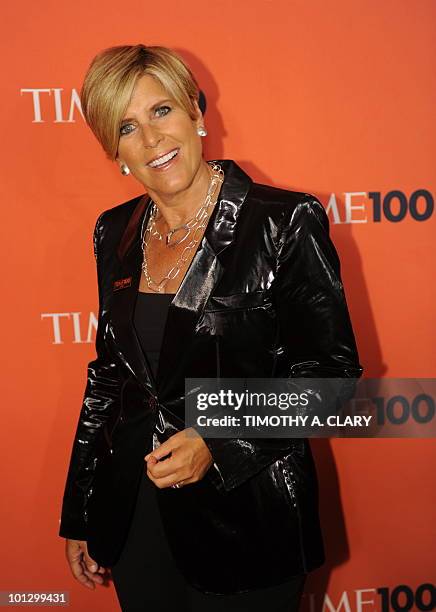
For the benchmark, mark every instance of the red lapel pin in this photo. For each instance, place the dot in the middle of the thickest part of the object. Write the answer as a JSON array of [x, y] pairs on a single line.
[[122, 283]]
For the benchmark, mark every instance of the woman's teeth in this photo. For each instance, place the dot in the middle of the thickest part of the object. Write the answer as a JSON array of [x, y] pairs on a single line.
[[163, 160]]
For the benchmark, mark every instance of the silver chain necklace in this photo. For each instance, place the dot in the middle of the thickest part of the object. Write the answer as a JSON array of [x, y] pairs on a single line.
[[194, 226]]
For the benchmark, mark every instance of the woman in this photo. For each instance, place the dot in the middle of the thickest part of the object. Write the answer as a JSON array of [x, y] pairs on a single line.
[[209, 275]]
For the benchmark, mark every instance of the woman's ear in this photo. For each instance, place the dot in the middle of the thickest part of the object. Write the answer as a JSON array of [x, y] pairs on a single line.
[[199, 119]]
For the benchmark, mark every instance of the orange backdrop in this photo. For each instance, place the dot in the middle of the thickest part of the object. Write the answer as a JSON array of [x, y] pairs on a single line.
[[334, 98]]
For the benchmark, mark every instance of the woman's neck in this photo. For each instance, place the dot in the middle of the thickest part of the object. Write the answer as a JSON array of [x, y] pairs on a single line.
[[177, 208]]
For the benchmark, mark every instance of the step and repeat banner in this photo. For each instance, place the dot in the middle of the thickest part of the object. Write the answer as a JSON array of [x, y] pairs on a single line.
[[332, 98]]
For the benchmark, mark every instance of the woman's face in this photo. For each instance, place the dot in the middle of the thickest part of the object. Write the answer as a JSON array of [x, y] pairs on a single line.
[[155, 126]]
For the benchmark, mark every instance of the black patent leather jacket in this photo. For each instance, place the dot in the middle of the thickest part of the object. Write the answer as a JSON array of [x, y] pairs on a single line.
[[262, 298]]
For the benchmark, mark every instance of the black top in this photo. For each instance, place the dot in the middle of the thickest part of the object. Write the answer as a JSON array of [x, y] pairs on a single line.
[[149, 319]]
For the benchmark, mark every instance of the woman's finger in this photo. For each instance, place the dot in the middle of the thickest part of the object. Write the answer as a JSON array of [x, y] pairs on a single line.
[[79, 574], [167, 481], [95, 577]]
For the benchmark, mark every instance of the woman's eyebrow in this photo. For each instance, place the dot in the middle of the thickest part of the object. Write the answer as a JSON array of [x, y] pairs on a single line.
[[153, 107], [160, 103]]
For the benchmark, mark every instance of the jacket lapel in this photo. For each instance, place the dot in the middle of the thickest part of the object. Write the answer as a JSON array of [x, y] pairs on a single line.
[[187, 305], [125, 293]]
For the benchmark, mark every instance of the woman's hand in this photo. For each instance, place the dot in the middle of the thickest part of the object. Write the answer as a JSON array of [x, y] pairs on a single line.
[[188, 462], [83, 568]]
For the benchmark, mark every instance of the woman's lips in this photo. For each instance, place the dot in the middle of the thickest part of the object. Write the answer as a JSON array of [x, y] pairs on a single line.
[[167, 164]]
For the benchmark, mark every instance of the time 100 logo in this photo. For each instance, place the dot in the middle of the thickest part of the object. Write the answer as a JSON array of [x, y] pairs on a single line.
[[394, 206]]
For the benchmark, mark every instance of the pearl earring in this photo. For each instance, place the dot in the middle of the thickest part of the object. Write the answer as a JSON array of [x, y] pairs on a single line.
[[124, 170], [201, 131]]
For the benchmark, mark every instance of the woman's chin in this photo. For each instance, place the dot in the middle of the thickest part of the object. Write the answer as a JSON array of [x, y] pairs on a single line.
[[169, 184]]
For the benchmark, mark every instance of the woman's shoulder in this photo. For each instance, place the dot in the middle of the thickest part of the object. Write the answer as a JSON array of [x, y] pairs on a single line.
[[279, 196], [112, 222], [120, 213], [279, 202]]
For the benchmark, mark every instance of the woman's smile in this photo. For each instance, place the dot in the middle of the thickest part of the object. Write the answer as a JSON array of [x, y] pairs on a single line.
[[164, 161]]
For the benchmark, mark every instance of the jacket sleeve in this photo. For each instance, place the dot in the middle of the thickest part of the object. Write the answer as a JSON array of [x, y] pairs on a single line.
[[101, 395], [315, 332]]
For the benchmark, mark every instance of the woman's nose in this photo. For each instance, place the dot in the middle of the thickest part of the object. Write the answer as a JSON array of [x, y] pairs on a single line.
[[150, 136]]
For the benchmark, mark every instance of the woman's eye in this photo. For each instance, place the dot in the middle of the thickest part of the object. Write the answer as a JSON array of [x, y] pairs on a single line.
[[126, 129], [162, 111]]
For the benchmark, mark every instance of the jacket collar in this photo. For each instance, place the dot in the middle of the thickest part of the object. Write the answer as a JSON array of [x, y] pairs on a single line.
[[187, 305], [222, 223]]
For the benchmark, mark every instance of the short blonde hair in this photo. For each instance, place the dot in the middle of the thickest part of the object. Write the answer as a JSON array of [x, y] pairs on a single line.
[[111, 78]]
